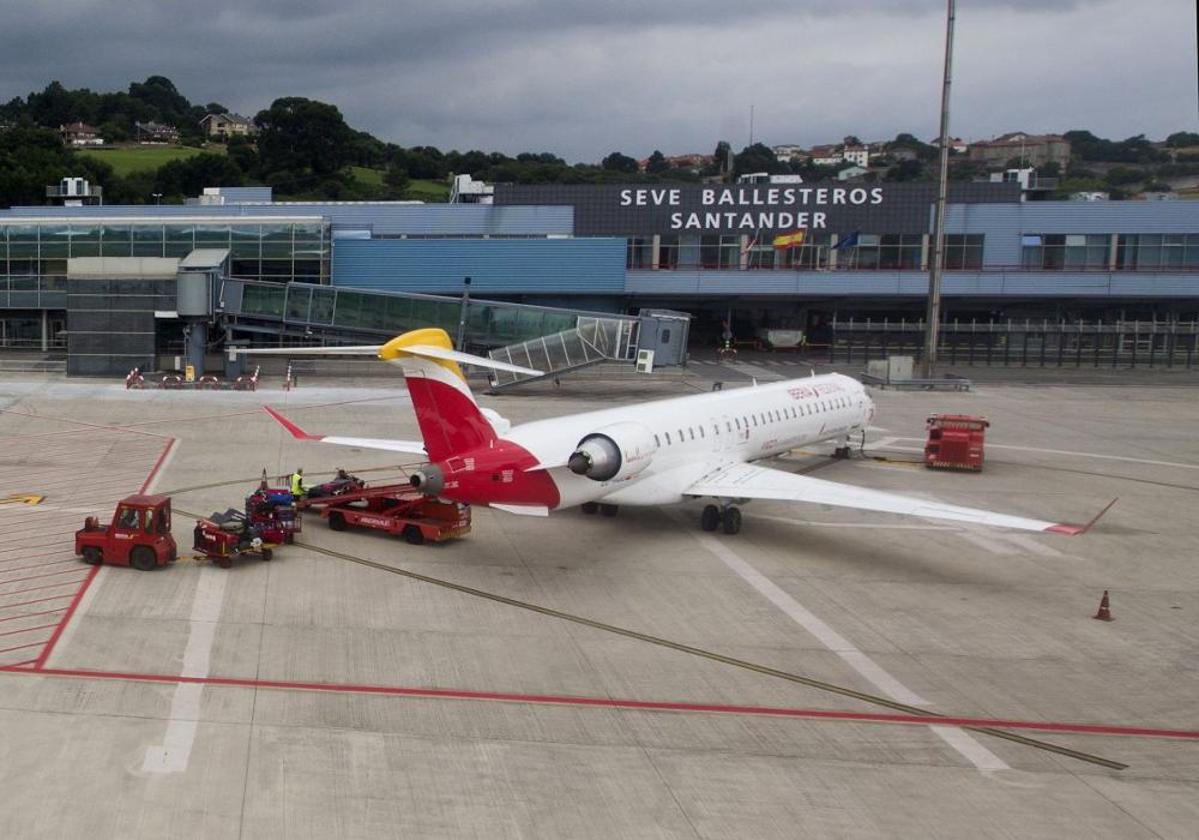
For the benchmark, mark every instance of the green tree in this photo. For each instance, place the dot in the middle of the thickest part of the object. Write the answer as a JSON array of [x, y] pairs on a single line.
[[32, 158], [657, 163], [617, 162], [396, 177], [189, 177], [757, 158], [1182, 139], [302, 136], [906, 170]]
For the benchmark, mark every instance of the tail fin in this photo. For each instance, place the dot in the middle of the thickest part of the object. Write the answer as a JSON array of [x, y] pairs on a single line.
[[450, 420]]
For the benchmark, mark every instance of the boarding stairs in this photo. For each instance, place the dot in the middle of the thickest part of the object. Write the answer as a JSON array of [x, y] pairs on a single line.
[[593, 340]]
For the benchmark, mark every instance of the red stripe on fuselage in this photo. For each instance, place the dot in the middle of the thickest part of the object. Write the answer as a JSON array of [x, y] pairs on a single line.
[[496, 474]]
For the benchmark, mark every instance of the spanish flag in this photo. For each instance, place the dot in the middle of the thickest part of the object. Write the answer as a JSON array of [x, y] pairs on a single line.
[[784, 241]]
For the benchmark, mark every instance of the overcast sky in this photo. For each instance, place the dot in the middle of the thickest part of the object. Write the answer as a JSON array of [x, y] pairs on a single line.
[[582, 79]]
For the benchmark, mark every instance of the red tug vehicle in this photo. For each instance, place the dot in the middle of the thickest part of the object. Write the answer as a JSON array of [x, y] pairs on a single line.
[[395, 508], [139, 535], [955, 441]]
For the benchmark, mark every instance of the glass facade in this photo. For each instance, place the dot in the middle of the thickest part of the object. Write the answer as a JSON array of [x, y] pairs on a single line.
[[326, 306], [1149, 251], [870, 252], [1066, 251], [279, 250]]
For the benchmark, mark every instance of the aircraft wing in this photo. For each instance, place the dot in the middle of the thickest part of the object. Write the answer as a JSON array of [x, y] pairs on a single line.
[[747, 481], [414, 447]]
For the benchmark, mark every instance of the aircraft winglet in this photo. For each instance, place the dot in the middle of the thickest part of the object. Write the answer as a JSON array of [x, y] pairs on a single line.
[[296, 431], [1076, 530]]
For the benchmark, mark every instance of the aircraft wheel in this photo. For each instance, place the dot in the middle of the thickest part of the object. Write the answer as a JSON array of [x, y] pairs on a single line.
[[413, 535], [608, 510], [732, 520], [590, 507], [337, 521], [142, 559], [709, 520]]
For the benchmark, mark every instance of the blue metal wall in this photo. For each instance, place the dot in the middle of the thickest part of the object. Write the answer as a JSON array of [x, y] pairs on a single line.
[[1003, 224], [498, 266]]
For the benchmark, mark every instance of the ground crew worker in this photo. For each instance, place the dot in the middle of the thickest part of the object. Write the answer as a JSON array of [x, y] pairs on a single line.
[[297, 483]]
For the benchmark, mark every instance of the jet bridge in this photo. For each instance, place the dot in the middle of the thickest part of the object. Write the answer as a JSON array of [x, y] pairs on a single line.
[[549, 339]]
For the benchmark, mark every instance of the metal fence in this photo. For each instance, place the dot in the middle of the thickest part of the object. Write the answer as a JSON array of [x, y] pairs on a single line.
[[1028, 343]]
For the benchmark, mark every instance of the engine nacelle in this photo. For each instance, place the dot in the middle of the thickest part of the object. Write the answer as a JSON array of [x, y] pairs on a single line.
[[614, 453], [429, 480]]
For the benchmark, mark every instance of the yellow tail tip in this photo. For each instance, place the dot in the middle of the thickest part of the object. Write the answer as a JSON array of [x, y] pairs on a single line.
[[394, 350]]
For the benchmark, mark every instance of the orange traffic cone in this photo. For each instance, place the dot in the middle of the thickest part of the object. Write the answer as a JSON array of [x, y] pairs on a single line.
[[1105, 609]]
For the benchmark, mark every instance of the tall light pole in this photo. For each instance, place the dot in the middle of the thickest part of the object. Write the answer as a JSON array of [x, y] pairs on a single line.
[[932, 317]]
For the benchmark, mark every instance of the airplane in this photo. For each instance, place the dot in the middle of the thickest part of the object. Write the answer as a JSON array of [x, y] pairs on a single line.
[[655, 453]]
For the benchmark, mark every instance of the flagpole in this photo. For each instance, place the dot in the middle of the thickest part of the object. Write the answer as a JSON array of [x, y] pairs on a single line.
[[932, 316]]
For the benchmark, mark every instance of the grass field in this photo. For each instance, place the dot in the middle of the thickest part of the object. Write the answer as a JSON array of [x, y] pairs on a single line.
[[126, 160], [418, 190]]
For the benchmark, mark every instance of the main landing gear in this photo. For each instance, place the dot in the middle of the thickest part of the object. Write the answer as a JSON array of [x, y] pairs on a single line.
[[727, 518], [603, 509]]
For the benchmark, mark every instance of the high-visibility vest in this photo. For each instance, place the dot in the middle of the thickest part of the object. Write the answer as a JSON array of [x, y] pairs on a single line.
[[297, 484]]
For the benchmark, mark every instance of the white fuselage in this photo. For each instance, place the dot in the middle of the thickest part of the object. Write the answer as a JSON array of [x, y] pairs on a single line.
[[695, 434]]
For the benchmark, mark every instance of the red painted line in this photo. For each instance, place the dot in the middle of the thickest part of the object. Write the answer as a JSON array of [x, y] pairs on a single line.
[[33, 614], [27, 630], [35, 577], [158, 464], [22, 647], [19, 664], [38, 589], [62, 625], [635, 705], [38, 600]]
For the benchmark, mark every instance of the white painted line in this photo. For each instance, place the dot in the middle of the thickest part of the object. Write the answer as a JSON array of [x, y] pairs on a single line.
[[175, 753], [968, 746], [1099, 455], [871, 671]]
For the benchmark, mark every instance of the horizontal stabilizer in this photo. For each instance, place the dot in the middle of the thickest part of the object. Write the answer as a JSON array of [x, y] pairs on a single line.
[[428, 351], [356, 350], [412, 447]]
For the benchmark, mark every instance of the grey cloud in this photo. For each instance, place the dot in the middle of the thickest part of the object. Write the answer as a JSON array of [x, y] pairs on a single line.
[[582, 79]]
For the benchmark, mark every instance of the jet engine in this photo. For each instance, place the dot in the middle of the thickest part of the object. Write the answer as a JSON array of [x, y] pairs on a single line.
[[615, 452], [428, 479]]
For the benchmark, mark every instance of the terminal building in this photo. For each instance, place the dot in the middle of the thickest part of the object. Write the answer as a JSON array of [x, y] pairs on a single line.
[[100, 282]]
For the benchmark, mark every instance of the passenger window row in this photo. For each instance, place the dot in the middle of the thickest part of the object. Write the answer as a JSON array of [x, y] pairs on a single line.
[[772, 416]]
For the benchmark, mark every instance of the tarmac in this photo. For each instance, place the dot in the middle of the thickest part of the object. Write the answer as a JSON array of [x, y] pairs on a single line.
[[581, 676]]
